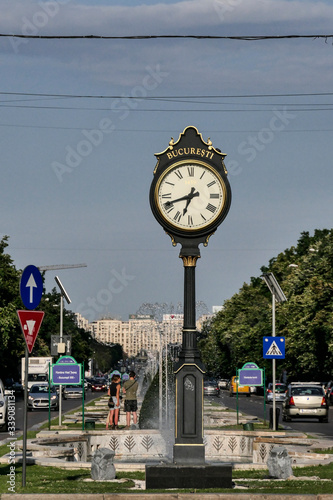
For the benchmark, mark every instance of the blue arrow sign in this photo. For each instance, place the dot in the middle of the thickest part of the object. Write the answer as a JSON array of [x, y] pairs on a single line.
[[31, 287], [274, 347]]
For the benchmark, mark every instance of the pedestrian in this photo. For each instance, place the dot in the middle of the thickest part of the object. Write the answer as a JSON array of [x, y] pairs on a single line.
[[114, 394], [130, 389]]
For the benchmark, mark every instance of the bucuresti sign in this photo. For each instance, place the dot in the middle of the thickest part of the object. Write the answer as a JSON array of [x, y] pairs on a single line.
[[66, 371], [250, 374]]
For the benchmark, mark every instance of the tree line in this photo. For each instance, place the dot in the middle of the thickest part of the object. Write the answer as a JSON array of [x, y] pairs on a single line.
[[12, 343], [234, 336]]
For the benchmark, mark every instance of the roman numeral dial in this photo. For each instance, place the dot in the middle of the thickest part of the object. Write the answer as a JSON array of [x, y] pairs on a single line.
[[190, 196]]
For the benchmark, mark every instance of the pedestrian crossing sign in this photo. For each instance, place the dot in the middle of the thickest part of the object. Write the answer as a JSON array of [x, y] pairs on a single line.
[[274, 347]]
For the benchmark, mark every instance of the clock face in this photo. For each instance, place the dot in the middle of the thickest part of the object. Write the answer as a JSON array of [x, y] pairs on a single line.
[[190, 195]]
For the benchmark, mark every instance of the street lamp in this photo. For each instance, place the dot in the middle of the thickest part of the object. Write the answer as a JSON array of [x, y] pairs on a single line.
[[63, 295], [277, 296]]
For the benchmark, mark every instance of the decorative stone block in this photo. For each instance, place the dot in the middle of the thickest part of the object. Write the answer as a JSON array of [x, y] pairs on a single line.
[[279, 463], [102, 467]]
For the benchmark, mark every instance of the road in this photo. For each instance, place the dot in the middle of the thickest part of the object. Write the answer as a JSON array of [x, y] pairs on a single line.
[[254, 405], [38, 416]]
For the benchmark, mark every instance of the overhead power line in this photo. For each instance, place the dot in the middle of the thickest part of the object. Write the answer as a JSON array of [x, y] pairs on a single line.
[[177, 110], [234, 96], [150, 37]]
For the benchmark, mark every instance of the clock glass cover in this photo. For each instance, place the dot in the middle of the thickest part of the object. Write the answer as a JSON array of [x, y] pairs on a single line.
[[190, 195]]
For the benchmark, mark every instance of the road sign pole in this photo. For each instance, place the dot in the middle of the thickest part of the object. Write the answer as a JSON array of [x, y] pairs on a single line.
[[49, 397], [273, 362], [61, 334], [25, 416], [264, 396], [82, 376]]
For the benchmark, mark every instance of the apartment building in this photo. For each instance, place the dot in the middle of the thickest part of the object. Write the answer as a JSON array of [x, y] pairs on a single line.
[[140, 332]]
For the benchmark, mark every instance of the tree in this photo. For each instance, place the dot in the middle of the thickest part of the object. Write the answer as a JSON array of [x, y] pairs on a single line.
[[234, 335], [12, 343], [11, 339]]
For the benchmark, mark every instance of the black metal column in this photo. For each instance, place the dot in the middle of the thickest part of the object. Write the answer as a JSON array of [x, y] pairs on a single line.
[[189, 371]]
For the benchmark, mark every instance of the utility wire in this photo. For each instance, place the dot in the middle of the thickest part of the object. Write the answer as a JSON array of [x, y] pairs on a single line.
[[150, 37], [158, 110], [141, 130], [79, 96]]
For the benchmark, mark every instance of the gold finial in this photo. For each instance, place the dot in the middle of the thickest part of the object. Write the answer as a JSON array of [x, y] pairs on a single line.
[[171, 143], [210, 144]]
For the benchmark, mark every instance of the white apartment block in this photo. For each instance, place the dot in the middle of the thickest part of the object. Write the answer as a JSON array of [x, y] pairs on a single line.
[[138, 333]]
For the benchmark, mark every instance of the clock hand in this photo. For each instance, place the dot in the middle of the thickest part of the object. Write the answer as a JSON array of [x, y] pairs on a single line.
[[190, 197], [169, 203], [187, 197]]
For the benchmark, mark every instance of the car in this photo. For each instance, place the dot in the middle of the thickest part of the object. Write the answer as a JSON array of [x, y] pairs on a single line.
[[329, 391], [98, 385], [223, 383], [234, 388], [38, 398], [11, 385], [72, 392], [305, 400], [87, 383], [3, 408], [211, 388], [280, 392]]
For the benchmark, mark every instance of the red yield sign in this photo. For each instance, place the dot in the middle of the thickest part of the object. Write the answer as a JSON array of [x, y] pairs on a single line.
[[30, 323]]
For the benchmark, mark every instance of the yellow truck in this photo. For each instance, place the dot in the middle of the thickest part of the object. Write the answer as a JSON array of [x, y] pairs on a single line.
[[242, 389]]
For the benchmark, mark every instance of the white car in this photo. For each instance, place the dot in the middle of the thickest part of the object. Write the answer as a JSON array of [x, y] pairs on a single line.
[[304, 400], [3, 408]]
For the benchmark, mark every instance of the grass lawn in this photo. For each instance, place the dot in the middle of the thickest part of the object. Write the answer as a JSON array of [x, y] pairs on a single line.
[[53, 480]]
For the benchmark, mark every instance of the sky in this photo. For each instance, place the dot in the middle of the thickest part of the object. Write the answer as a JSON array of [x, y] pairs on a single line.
[[81, 120]]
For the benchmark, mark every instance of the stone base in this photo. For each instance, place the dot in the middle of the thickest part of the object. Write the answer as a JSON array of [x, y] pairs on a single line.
[[187, 476], [189, 454]]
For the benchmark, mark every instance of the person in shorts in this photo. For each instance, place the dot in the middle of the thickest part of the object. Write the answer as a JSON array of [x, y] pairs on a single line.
[[114, 393], [130, 388]]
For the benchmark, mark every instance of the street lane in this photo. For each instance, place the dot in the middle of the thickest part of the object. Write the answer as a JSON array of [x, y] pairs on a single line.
[[254, 405], [39, 416]]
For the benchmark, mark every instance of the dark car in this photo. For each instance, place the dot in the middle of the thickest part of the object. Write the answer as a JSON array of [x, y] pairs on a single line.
[[99, 385], [211, 388], [38, 398], [329, 392]]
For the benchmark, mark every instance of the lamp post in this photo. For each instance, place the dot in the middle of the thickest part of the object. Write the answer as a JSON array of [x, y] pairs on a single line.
[[277, 296], [63, 295]]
